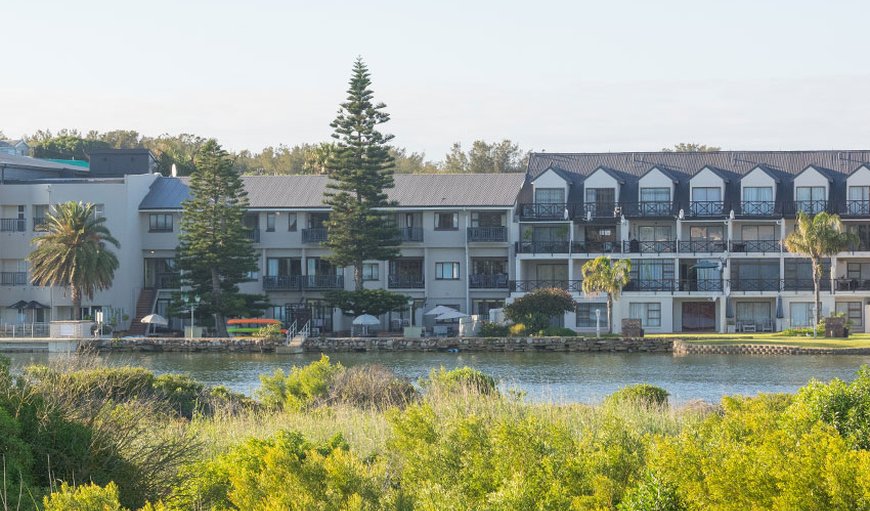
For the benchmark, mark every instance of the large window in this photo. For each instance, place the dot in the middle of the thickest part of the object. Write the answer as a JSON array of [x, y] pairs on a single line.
[[859, 200], [654, 233], [270, 222], [854, 312], [651, 274], [758, 232], [649, 314], [757, 200], [291, 222], [655, 194], [160, 222], [487, 219], [549, 195], [447, 271], [801, 314], [810, 199], [371, 271], [753, 311], [446, 221], [707, 232], [706, 194], [586, 315]]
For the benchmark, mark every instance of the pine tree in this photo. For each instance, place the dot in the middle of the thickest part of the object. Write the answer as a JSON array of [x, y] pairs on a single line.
[[215, 252], [360, 170]]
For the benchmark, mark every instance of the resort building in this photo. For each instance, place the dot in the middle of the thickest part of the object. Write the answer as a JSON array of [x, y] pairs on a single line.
[[704, 232]]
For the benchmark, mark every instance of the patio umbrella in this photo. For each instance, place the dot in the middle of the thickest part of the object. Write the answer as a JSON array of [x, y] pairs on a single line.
[[34, 305], [366, 320], [20, 304], [154, 319], [451, 315], [439, 310], [779, 314], [729, 308]]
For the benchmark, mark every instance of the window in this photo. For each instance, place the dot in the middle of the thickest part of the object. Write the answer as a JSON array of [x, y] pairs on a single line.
[[253, 275], [758, 232], [371, 271], [706, 194], [651, 274], [758, 194], [706, 232], [99, 211], [654, 233], [160, 222], [859, 193], [810, 199], [854, 312], [21, 212], [604, 196], [586, 315], [655, 194], [279, 312], [291, 222], [446, 221], [549, 195], [649, 314], [858, 271], [483, 306], [446, 271], [753, 311], [270, 222], [801, 314], [487, 219]]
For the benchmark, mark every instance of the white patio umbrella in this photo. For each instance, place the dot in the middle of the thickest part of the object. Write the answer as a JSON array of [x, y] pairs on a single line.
[[154, 319], [366, 320], [439, 310], [452, 314]]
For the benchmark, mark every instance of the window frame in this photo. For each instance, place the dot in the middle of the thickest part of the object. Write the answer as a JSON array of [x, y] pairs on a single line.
[[371, 276], [271, 221], [454, 273], [292, 222], [454, 226], [651, 317], [155, 225]]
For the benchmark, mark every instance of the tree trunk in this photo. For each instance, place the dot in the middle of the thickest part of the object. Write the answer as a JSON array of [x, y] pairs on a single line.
[[220, 323], [76, 297], [358, 275], [609, 314], [817, 276]]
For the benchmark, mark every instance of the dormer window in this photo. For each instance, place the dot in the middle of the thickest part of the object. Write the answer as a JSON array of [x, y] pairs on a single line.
[[600, 202], [706, 201], [810, 199], [858, 202], [550, 195], [655, 201], [758, 200]]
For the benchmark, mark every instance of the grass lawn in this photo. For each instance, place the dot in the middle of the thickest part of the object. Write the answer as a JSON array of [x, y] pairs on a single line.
[[854, 340]]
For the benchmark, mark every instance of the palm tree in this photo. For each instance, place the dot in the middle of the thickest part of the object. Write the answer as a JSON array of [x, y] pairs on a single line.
[[816, 237], [603, 275], [72, 253]]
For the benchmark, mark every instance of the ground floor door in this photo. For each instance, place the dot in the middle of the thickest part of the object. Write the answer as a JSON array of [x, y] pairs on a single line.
[[699, 316]]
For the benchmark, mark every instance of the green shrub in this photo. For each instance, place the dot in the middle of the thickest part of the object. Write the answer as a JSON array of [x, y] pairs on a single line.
[[651, 494], [489, 329], [461, 379], [642, 394], [557, 331], [270, 332], [88, 497], [303, 387], [371, 386], [16, 458], [536, 309], [181, 392]]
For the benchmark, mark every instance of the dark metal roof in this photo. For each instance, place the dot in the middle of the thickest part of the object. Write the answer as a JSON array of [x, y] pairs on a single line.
[[411, 190]]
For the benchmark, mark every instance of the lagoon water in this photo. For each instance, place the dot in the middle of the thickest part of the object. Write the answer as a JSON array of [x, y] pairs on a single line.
[[558, 377]]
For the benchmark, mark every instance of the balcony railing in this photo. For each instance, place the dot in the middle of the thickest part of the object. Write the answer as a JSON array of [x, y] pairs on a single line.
[[857, 208], [650, 285], [810, 207], [282, 282], [409, 234], [314, 235], [12, 224], [853, 284], [406, 282], [758, 208], [769, 284], [488, 281], [543, 211], [649, 247], [543, 247], [805, 285], [527, 286], [703, 246], [701, 285], [706, 208], [487, 234], [595, 210], [168, 280], [648, 209], [755, 246], [38, 223], [595, 247], [254, 234], [323, 281], [13, 278]]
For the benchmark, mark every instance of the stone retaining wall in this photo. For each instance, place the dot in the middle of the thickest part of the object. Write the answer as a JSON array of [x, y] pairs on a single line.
[[179, 344], [481, 344], [683, 348]]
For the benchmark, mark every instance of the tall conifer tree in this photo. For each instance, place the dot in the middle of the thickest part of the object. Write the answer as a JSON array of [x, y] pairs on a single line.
[[360, 171], [215, 251]]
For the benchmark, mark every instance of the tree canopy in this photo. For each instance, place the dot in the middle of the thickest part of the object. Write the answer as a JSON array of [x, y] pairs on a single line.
[[603, 275], [689, 147], [536, 309]]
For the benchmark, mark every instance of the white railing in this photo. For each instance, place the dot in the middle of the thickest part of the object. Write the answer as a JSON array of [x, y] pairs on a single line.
[[24, 330], [291, 332]]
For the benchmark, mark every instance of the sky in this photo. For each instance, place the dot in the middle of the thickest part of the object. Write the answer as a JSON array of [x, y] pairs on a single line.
[[556, 76]]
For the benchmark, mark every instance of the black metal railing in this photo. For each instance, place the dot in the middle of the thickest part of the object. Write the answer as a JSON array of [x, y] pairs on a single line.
[[595, 210], [810, 207], [805, 285], [649, 247], [12, 224], [38, 223], [526, 286], [703, 246], [488, 281], [650, 285], [755, 246], [706, 208], [758, 208], [282, 282], [13, 278], [323, 281], [254, 234], [543, 247], [701, 285], [856, 208], [769, 284], [406, 282], [410, 234], [595, 247], [168, 280], [853, 284], [487, 234], [648, 209], [543, 211], [314, 235]]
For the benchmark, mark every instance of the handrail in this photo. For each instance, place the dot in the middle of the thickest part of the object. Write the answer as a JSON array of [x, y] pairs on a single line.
[[649, 208], [650, 285], [758, 208], [484, 234], [810, 207], [703, 246], [755, 246], [769, 284], [543, 211], [706, 208], [649, 247], [526, 286], [701, 285]]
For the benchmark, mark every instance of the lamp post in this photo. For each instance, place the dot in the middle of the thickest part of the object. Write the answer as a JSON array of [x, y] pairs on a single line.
[[193, 302]]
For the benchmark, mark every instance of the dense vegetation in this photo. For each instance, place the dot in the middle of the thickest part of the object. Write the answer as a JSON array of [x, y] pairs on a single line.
[[325, 437]]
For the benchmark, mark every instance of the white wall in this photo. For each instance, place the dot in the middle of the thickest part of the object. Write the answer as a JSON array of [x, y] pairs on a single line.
[[706, 178], [601, 179], [550, 179], [757, 178], [812, 177], [860, 178], [656, 179]]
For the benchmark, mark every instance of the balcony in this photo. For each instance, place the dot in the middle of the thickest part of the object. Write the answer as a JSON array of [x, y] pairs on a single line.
[[595, 210], [487, 234], [323, 281], [859, 284], [406, 234], [649, 247], [648, 209], [769, 284], [12, 224], [543, 211], [406, 282], [527, 286], [693, 246], [810, 207], [706, 208], [488, 281], [650, 285], [806, 285], [314, 235], [254, 234], [13, 278], [856, 208], [595, 247], [282, 282], [755, 246], [38, 223], [168, 280], [543, 247], [701, 285], [758, 208]]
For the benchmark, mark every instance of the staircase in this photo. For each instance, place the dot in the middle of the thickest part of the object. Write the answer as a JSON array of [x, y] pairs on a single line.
[[144, 307], [295, 339]]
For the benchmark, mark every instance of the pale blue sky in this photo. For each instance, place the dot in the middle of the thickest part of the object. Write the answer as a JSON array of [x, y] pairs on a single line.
[[558, 76]]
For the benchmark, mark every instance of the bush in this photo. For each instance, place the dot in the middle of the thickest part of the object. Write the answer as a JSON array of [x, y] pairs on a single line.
[[537, 308], [652, 494], [488, 329], [371, 386], [517, 330], [181, 392], [88, 497], [270, 332], [642, 394], [461, 379], [302, 388], [557, 331]]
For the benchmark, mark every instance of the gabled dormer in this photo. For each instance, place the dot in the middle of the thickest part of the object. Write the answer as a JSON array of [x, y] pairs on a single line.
[[707, 193], [551, 186], [812, 188], [601, 190], [758, 192], [858, 192], [657, 185]]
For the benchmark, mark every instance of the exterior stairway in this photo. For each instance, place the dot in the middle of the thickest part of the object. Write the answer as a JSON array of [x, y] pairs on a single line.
[[144, 307]]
